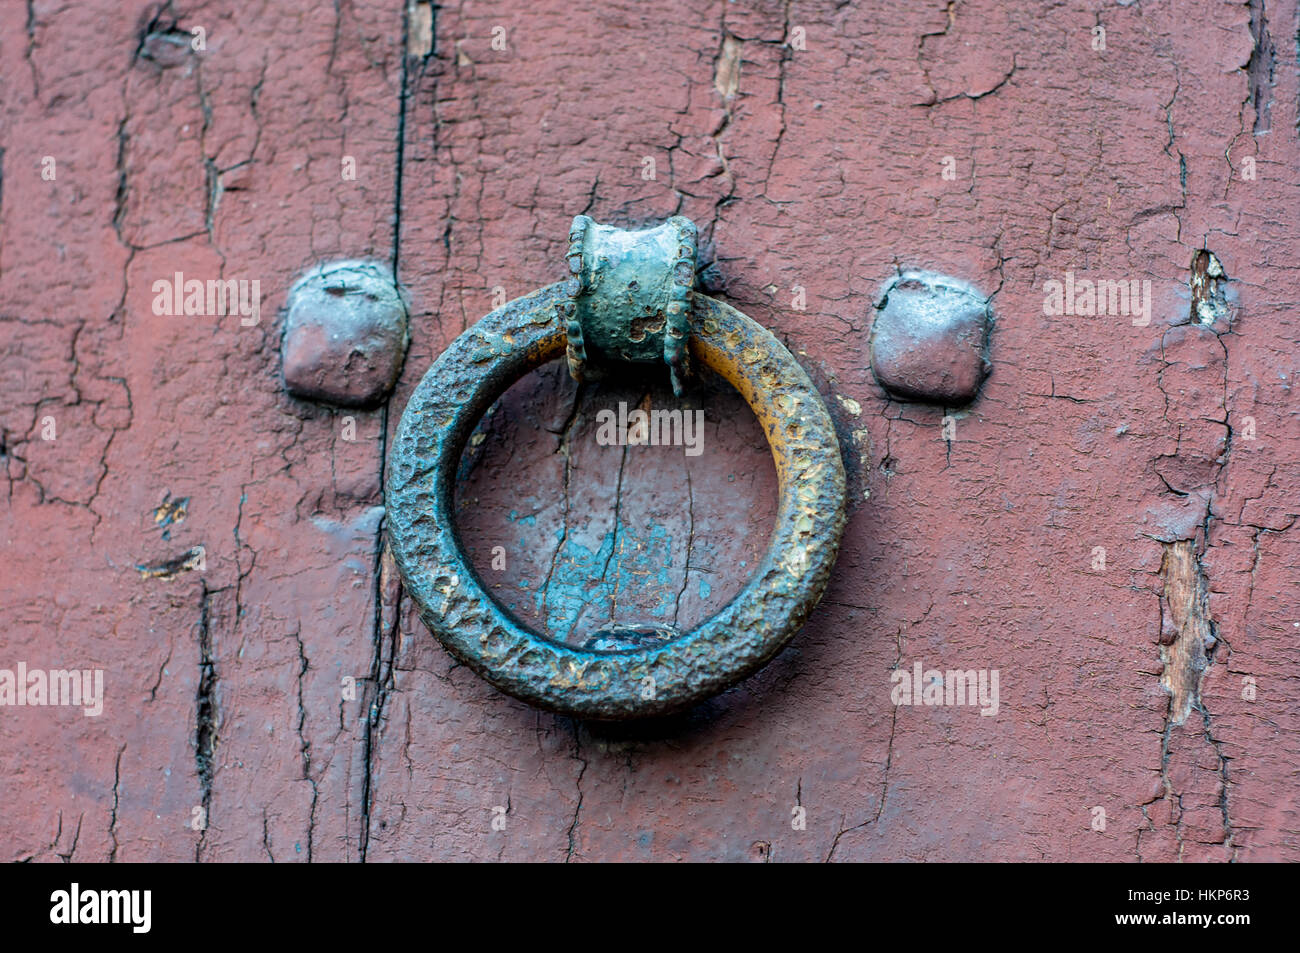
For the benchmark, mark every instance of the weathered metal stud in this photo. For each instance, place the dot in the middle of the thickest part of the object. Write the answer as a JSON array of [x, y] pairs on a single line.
[[929, 340], [345, 335], [629, 297]]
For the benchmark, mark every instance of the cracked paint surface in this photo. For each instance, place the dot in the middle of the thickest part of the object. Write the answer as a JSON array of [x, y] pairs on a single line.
[[815, 167]]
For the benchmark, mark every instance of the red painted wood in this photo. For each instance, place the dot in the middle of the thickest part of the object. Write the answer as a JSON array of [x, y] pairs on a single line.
[[808, 141]]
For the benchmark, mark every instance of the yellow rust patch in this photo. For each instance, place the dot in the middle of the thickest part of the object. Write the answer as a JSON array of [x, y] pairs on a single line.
[[171, 511]]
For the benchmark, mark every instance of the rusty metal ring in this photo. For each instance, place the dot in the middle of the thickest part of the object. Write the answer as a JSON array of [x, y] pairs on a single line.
[[455, 604]]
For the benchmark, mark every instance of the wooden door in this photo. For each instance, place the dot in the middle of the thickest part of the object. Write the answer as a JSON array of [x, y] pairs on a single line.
[[1107, 529]]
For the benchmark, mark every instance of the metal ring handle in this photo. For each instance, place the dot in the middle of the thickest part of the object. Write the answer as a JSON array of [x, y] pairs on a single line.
[[455, 604]]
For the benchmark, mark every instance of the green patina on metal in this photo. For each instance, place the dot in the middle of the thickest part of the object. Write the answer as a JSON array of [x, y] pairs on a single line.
[[629, 297], [614, 677]]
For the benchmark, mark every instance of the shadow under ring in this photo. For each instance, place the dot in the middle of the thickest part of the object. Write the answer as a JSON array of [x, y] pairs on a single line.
[[476, 369]]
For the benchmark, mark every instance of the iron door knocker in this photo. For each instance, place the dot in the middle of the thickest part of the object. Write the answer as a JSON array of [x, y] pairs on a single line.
[[628, 297]]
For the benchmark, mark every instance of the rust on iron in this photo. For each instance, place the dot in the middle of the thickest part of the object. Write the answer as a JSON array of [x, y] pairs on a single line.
[[624, 673]]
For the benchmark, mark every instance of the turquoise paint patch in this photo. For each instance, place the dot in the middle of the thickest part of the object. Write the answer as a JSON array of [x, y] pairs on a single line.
[[642, 563], [573, 584]]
